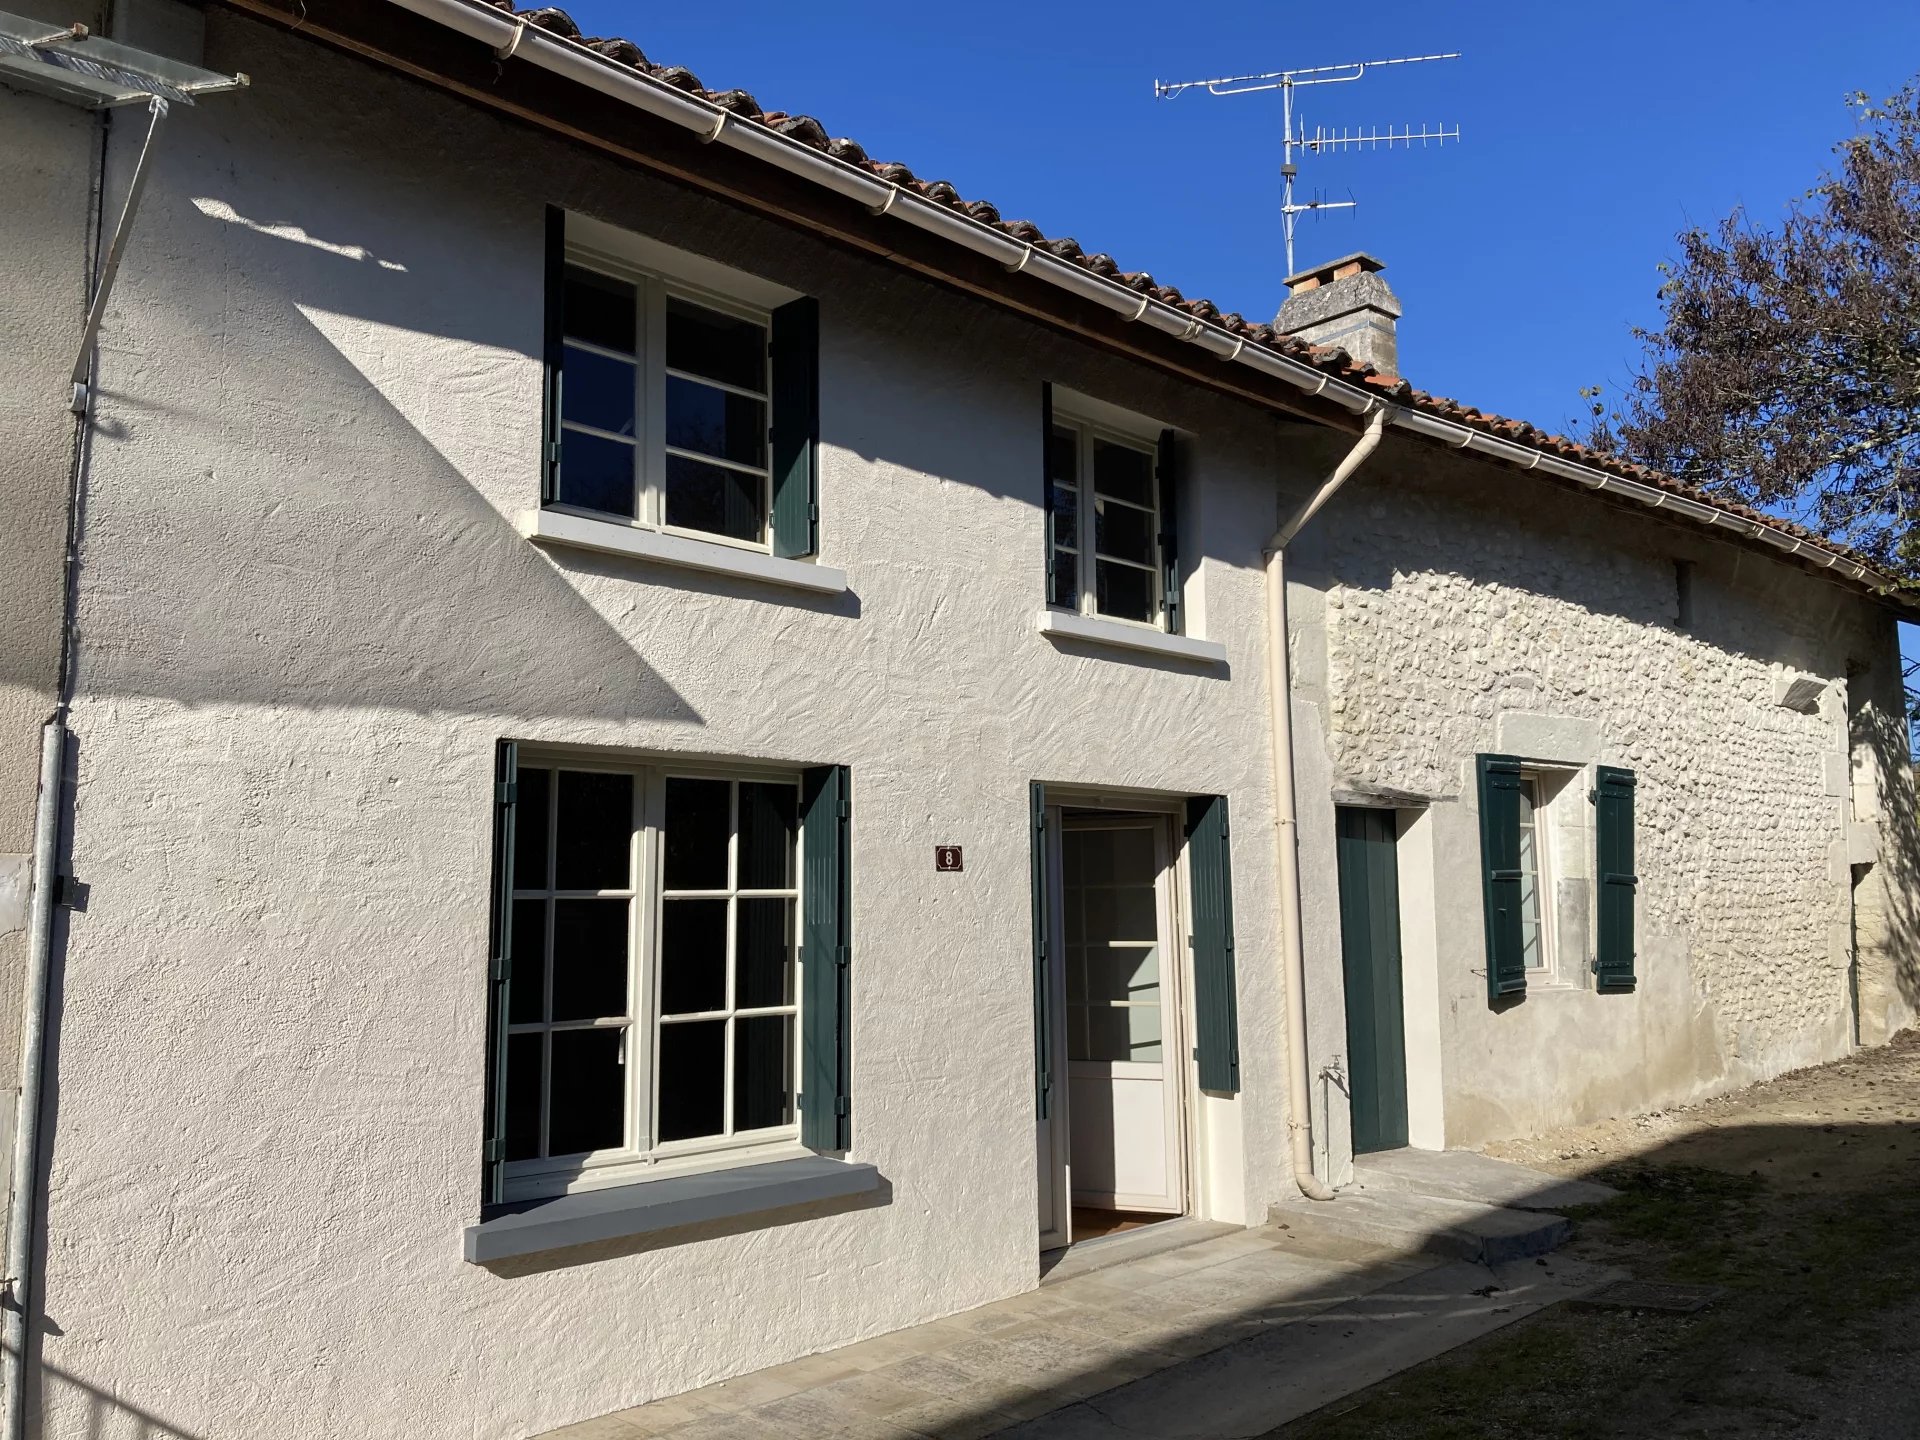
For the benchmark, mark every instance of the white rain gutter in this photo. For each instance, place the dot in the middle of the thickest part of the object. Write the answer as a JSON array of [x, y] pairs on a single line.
[[1286, 828], [512, 36]]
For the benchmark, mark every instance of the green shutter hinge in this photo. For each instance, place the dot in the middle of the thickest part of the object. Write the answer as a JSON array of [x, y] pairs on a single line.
[[813, 513], [840, 1105], [506, 792], [496, 1150], [841, 956], [501, 970], [553, 452]]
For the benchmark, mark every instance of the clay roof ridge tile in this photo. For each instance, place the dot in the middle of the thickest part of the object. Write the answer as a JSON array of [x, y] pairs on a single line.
[[552, 20], [811, 132]]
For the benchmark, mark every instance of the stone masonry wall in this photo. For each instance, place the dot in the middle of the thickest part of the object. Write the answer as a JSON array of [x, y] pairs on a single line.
[[1459, 603]]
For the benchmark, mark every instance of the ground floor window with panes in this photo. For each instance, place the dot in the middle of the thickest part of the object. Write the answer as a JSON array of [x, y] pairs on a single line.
[[653, 999]]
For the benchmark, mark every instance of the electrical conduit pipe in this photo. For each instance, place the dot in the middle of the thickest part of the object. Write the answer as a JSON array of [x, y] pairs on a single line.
[[33, 1039], [1286, 838]]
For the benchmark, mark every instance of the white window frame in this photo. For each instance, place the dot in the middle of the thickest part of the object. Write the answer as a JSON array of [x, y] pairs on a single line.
[[639, 1157], [1532, 786], [659, 272], [1143, 438]]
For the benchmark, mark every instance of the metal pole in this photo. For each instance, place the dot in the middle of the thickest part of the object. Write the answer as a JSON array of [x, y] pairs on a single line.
[[83, 362], [1286, 166], [33, 1034]]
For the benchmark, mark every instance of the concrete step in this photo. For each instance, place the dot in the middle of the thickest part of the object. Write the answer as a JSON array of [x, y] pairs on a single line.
[[1465, 1175], [1408, 1222]]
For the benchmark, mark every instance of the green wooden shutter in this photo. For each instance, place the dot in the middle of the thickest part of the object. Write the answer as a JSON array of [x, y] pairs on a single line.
[[795, 348], [1042, 940], [555, 353], [1166, 472], [826, 798], [1215, 1006], [506, 788], [1046, 488], [1500, 875], [1613, 854]]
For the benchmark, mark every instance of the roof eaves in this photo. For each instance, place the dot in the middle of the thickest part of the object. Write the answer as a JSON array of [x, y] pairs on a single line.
[[800, 145]]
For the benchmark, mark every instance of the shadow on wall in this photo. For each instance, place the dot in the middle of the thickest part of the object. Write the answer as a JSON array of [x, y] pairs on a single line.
[[1887, 917], [1802, 1235], [95, 1413], [296, 540]]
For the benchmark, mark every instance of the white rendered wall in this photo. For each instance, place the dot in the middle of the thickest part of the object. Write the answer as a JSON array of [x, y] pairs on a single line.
[[46, 191], [307, 616]]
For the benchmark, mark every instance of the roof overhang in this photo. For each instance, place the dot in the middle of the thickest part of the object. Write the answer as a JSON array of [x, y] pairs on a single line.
[[512, 66]]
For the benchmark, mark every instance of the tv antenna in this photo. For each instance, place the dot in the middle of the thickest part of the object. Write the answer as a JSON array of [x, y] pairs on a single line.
[[1295, 140]]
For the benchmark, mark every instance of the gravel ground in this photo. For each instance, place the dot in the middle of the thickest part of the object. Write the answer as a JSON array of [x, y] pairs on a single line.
[[1798, 1201]]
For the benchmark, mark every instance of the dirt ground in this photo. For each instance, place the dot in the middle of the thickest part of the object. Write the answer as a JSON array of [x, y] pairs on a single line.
[[1798, 1201]]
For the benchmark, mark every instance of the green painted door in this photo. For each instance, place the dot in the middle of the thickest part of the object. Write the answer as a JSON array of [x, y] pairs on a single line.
[[1370, 955]]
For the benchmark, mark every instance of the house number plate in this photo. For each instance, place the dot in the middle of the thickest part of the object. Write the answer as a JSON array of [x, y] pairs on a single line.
[[947, 857]]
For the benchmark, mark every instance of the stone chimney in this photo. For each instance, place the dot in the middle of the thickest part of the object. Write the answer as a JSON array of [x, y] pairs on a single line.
[[1344, 303]]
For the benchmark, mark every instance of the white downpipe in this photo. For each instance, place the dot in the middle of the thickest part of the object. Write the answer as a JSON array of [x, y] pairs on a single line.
[[509, 35], [33, 1035], [1286, 810]]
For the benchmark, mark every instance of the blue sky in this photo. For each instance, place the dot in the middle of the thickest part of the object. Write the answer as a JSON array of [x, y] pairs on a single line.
[[1591, 134]]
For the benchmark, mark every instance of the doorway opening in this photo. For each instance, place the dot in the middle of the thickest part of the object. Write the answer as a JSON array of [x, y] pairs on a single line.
[[1112, 1148]]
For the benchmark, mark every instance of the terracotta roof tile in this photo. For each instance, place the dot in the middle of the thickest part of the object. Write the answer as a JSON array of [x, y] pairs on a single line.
[[1332, 359]]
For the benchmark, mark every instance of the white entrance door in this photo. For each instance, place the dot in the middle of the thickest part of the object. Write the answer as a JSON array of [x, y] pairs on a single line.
[[1119, 1015]]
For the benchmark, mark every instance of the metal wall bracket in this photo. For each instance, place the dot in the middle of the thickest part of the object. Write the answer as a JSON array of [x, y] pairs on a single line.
[[83, 362]]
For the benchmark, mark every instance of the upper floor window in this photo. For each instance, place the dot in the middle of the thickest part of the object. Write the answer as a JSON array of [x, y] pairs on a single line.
[[1110, 529], [681, 396]]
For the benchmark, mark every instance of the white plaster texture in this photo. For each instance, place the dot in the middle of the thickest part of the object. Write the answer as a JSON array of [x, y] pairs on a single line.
[[46, 179], [306, 616], [1457, 617]]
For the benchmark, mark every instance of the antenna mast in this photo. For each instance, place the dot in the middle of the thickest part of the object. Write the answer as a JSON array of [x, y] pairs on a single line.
[[1295, 139]]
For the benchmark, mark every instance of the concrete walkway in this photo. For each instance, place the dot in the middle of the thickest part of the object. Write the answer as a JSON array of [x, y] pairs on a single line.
[[1229, 1336]]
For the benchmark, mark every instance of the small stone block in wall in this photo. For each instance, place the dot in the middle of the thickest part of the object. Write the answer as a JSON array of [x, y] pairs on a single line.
[[1798, 692]]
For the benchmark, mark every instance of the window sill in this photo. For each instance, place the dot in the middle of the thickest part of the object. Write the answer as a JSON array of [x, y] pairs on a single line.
[[556, 527], [649, 1206], [1064, 624]]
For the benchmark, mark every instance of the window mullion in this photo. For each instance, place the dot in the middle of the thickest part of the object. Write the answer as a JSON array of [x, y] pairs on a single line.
[[732, 952], [546, 961], [653, 370], [1084, 528]]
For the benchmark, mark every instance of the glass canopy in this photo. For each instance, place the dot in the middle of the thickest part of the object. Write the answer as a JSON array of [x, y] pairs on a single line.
[[73, 65]]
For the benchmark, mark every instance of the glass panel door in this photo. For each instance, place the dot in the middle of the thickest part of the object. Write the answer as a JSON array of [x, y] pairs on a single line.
[[1120, 1102]]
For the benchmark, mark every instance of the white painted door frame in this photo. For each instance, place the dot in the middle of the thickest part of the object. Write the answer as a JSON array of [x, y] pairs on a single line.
[[1054, 1135]]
